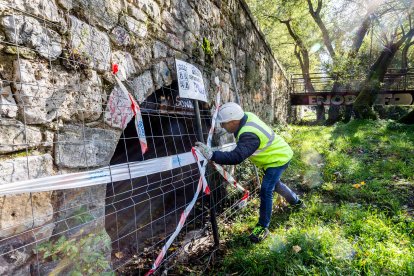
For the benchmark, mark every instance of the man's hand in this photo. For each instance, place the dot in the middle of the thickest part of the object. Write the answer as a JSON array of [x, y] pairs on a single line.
[[204, 149]]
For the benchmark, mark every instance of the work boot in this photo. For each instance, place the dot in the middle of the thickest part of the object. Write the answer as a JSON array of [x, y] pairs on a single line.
[[298, 205], [259, 233]]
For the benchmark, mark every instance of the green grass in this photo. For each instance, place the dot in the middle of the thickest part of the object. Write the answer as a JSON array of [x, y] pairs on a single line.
[[344, 230]]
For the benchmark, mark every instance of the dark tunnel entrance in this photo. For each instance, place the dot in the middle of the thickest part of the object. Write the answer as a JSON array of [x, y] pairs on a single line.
[[142, 211]]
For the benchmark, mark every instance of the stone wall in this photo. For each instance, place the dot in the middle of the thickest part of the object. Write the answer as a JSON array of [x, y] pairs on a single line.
[[55, 70]]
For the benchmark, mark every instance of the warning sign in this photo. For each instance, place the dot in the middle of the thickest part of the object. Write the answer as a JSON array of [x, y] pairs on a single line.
[[190, 81]]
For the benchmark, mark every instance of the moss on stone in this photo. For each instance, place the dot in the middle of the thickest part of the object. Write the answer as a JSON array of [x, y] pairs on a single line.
[[24, 52], [253, 78]]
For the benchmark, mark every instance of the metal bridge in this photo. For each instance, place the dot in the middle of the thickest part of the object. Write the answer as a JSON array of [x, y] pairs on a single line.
[[396, 89]]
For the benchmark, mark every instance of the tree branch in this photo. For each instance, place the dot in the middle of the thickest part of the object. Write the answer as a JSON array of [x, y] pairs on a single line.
[[325, 34]]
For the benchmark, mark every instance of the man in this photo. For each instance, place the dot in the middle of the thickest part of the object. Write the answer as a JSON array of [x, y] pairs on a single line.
[[267, 150]]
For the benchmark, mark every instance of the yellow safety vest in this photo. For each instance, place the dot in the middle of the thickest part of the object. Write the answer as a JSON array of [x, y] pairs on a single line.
[[273, 150]]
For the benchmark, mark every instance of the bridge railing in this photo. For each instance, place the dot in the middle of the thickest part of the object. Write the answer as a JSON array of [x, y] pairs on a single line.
[[396, 79]]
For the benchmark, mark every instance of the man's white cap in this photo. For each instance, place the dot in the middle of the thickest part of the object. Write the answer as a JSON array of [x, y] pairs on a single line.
[[229, 112]]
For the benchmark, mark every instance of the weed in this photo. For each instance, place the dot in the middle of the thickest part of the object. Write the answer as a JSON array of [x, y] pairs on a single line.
[[85, 256]]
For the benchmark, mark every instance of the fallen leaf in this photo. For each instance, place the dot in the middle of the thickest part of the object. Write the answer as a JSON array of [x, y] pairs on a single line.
[[119, 255], [296, 248]]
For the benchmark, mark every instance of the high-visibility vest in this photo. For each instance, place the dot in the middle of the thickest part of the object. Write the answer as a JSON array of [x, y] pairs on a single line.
[[273, 150]]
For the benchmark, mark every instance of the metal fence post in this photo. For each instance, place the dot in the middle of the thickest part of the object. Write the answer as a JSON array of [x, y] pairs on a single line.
[[213, 218]]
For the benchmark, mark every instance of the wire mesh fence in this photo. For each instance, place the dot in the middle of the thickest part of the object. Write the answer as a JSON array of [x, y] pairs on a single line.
[[59, 124]]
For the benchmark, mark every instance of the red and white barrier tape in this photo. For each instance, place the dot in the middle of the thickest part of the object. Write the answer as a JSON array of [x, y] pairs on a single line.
[[202, 183], [201, 168], [230, 179], [139, 123], [213, 120], [184, 214]]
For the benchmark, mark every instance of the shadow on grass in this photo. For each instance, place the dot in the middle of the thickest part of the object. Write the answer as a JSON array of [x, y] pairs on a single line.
[[377, 154]]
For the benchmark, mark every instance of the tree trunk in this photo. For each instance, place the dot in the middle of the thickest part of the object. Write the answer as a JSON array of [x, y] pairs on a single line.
[[325, 34], [408, 118], [404, 53], [348, 113], [303, 57], [360, 35], [366, 98], [334, 112]]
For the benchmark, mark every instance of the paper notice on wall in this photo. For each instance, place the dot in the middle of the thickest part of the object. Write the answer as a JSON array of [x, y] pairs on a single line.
[[190, 81]]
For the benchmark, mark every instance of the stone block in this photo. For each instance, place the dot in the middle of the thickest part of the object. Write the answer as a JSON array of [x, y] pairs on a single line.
[[23, 168], [172, 67], [43, 9], [225, 88], [92, 45], [190, 42], [120, 36], [66, 4], [160, 50], [143, 86], [174, 41], [27, 31], [188, 16], [24, 211], [153, 10], [14, 136], [84, 147], [150, 7], [88, 100], [170, 24], [21, 51], [80, 206], [8, 106], [161, 74], [138, 14], [99, 12], [138, 28], [126, 66], [45, 94], [203, 8], [48, 138], [142, 57]]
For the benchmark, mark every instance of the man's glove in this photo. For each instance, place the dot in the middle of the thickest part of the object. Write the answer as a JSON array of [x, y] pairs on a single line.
[[204, 149]]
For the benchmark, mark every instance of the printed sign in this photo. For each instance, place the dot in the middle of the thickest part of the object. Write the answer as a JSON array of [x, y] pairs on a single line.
[[190, 81]]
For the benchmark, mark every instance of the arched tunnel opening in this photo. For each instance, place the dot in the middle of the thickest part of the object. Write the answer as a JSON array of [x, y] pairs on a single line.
[[143, 211]]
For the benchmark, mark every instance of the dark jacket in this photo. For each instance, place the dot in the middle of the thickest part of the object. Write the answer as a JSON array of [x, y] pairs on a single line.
[[248, 143]]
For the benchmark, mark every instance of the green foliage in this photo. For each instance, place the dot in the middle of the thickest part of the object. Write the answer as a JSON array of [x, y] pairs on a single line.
[[358, 218], [268, 14], [206, 46], [85, 256], [342, 20], [81, 215]]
